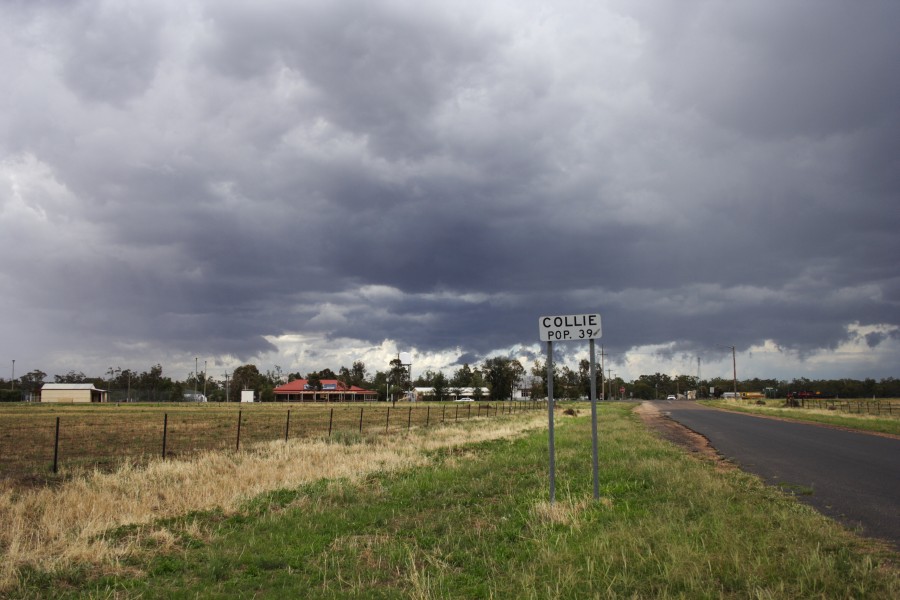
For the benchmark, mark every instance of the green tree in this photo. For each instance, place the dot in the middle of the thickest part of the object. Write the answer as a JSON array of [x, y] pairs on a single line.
[[570, 384], [439, 383], [71, 377], [462, 377], [155, 386], [358, 374], [32, 381], [380, 384], [314, 381], [501, 376], [539, 383], [245, 377], [399, 375]]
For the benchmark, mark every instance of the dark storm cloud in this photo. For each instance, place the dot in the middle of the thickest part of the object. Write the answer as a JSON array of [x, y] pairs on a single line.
[[210, 176]]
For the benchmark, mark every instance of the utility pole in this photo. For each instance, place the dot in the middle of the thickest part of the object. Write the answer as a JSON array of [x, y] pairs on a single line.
[[195, 378], [12, 379], [602, 379], [204, 378], [609, 381], [226, 386], [734, 367]]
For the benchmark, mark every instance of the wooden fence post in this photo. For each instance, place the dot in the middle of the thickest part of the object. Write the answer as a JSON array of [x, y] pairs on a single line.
[[238, 445], [56, 447], [165, 433]]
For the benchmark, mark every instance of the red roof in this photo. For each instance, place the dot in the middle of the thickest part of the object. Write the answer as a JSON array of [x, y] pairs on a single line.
[[328, 385]]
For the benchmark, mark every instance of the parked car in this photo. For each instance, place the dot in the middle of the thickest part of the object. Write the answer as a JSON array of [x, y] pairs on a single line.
[[671, 397], [464, 399]]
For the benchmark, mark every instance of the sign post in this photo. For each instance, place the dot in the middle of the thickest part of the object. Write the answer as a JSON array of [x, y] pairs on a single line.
[[570, 328], [594, 422], [550, 413]]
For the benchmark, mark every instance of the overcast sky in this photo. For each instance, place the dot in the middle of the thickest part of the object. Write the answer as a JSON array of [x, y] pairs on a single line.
[[309, 183]]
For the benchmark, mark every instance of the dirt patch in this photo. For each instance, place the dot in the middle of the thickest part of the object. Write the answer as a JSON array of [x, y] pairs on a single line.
[[678, 434]]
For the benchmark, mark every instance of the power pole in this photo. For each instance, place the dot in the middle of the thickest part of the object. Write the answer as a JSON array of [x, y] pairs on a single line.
[[602, 379], [734, 367]]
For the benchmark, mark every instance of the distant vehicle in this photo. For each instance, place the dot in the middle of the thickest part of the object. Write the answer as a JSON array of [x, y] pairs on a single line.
[[464, 399], [671, 397]]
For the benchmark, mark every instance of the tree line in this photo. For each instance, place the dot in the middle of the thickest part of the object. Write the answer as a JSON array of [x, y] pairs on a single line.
[[499, 376]]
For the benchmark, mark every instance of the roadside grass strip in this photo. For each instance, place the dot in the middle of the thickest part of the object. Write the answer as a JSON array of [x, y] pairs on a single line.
[[472, 520], [861, 422]]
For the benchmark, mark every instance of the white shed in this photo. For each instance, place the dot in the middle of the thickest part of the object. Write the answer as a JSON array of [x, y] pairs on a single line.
[[72, 393]]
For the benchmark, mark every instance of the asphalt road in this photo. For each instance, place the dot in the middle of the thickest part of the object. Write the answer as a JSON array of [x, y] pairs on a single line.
[[852, 477]]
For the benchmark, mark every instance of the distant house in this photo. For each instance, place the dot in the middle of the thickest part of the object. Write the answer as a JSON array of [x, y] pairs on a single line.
[[427, 393], [72, 393], [332, 390]]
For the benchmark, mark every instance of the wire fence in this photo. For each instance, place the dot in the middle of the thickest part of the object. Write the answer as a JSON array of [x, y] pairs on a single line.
[[43, 447], [887, 408]]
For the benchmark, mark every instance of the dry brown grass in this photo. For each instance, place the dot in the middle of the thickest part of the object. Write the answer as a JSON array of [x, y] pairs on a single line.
[[52, 528]]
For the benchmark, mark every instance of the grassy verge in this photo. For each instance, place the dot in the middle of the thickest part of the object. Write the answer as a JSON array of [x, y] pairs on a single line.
[[872, 423], [474, 522]]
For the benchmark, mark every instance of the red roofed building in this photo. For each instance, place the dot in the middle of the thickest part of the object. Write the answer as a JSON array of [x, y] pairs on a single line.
[[332, 390]]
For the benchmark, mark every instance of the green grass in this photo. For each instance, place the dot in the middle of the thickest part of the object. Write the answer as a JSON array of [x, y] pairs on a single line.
[[773, 408], [476, 524]]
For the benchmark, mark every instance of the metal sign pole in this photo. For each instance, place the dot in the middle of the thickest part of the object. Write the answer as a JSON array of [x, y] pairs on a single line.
[[594, 421], [550, 417], [570, 328]]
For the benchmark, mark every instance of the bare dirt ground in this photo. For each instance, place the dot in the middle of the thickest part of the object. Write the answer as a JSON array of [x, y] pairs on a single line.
[[680, 435]]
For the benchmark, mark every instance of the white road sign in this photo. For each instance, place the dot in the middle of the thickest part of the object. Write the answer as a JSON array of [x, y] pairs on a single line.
[[569, 328]]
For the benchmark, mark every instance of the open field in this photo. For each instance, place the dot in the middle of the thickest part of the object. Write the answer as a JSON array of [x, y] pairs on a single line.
[[883, 418], [449, 512], [91, 436]]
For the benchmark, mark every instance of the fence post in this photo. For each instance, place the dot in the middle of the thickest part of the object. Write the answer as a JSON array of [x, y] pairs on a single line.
[[56, 447], [360, 418], [287, 425], [443, 412], [330, 421], [470, 411], [456, 418], [238, 446], [387, 421], [165, 433], [408, 418], [427, 416]]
